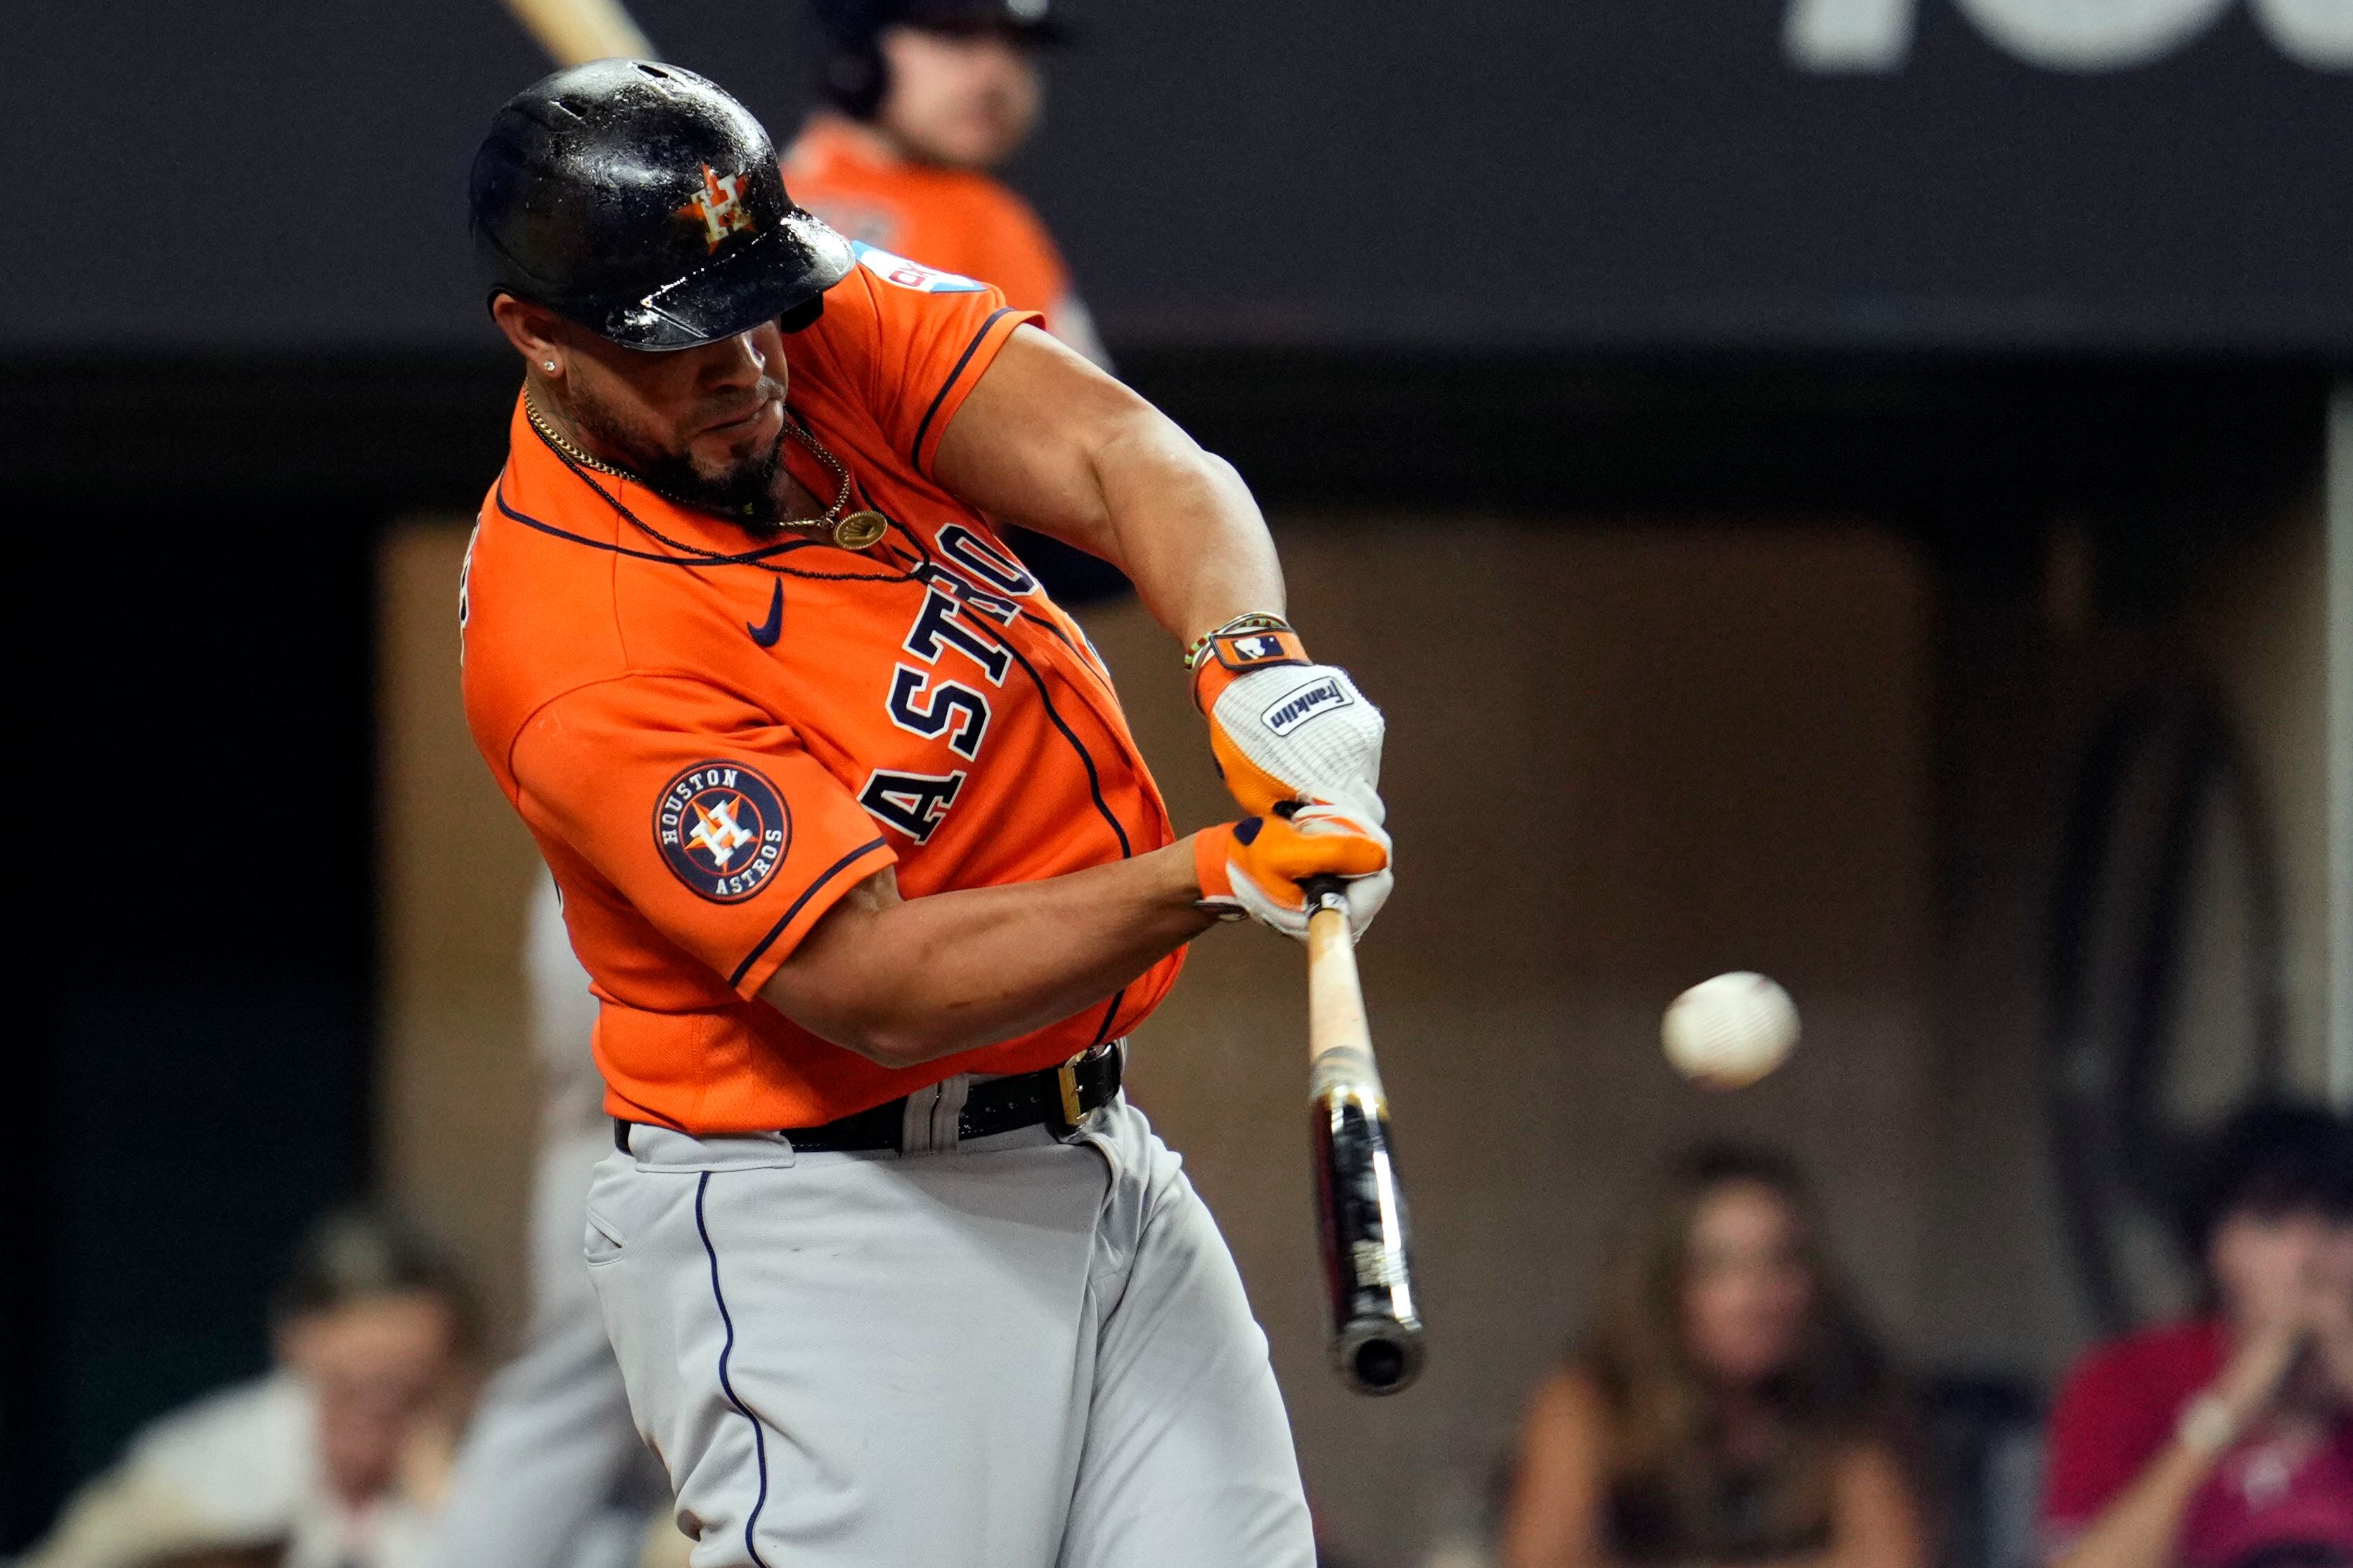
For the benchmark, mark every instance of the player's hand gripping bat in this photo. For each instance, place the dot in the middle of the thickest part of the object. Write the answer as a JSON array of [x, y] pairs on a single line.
[[574, 32], [1360, 1213]]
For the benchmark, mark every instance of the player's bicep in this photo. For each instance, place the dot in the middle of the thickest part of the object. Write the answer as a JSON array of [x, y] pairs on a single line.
[[706, 814], [1031, 441], [825, 983]]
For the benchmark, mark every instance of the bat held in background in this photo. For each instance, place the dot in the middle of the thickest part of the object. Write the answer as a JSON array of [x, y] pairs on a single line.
[[574, 32]]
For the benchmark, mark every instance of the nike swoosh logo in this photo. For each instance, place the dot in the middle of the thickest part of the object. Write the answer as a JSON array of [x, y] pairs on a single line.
[[766, 636]]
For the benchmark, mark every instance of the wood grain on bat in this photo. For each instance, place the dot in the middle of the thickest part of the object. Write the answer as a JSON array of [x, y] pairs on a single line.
[[574, 32]]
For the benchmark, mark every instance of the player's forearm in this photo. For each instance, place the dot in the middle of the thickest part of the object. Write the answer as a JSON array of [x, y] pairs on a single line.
[[906, 982], [1183, 526]]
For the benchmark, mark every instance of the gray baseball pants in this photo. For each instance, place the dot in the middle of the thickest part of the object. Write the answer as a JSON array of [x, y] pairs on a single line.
[[1016, 1353]]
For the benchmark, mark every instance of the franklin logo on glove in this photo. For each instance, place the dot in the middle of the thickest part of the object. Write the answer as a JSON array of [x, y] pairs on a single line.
[[1262, 694], [1295, 709]]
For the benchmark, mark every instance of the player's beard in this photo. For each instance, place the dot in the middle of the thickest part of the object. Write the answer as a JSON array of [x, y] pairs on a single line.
[[744, 493]]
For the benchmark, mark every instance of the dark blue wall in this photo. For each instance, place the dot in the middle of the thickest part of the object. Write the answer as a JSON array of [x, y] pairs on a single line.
[[198, 848], [1515, 173]]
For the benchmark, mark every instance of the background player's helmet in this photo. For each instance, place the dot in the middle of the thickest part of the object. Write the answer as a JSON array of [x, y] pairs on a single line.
[[854, 76], [644, 203]]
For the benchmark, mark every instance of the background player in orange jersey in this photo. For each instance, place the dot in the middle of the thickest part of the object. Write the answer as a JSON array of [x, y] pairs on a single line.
[[926, 98], [863, 862]]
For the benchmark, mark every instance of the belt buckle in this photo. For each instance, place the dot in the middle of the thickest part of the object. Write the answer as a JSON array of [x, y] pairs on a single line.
[[1072, 1115]]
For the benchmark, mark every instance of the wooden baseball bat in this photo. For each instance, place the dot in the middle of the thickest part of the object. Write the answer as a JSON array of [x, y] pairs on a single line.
[[574, 32], [1360, 1219]]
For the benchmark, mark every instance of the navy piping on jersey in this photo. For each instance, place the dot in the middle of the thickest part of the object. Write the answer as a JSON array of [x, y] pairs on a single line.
[[981, 624], [1035, 619], [1086, 660], [1110, 1013], [757, 558], [991, 630], [915, 452], [1094, 780], [759, 1433], [653, 556], [1086, 758], [824, 876]]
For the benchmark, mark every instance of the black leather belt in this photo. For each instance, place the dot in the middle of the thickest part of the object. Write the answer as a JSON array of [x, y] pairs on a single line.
[[1060, 1098]]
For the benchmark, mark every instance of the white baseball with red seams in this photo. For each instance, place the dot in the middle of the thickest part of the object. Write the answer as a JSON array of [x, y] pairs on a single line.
[[1728, 1032]]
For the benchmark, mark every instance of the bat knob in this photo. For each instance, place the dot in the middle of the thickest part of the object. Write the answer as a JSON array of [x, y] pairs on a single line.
[[1380, 1365], [1378, 1355], [1325, 892]]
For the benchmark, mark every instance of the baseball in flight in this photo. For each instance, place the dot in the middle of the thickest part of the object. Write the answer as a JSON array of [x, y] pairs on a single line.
[[1728, 1032]]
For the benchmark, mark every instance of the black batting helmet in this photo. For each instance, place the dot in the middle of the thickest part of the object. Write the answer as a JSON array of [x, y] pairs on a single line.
[[642, 202], [854, 76]]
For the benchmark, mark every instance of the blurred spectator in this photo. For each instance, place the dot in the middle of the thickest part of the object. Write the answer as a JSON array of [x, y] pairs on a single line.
[[1727, 1407], [2228, 1440], [926, 97], [333, 1461]]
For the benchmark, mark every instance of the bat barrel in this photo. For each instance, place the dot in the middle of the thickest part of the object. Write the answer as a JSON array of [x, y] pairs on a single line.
[[1375, 1338], [1376, 1341]]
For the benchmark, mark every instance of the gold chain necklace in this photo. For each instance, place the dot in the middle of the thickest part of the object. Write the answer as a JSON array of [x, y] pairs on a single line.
[[856, 531]]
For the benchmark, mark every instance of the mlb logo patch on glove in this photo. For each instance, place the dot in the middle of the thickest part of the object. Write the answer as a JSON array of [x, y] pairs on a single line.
[[1237, 653]]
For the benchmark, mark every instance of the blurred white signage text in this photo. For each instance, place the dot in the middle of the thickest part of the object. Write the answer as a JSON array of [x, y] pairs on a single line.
[[1843, 35]]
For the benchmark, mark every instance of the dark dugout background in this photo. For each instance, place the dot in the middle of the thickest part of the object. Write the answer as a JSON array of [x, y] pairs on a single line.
[[1621, 256], [1616, 172]]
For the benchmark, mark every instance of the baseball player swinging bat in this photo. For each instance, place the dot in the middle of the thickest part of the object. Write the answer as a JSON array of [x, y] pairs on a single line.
[[796, 973], [1360, 1221]]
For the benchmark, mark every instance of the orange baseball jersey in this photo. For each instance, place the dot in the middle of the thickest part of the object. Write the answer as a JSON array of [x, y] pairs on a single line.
[[713, 737], [959, 220]]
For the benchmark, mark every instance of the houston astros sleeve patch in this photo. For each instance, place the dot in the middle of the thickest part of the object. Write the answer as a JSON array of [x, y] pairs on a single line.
[[723, 830]]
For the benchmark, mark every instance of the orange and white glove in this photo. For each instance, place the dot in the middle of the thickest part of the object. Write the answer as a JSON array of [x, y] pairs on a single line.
[[1286, 730], [1255, 867]]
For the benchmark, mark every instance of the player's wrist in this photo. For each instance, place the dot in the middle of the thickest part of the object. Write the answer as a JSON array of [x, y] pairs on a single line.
[[1199, 648], [1213, 886], [1257, 641]]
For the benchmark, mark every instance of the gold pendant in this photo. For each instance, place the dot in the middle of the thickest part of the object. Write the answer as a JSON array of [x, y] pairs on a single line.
[[859, 529]]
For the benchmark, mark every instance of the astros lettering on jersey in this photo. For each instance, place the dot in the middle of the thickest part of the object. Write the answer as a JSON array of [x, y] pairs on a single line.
[[714, 736]]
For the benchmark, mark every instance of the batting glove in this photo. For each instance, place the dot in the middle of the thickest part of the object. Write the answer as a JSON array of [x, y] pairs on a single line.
[[1286, 730], [1254, 867]]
